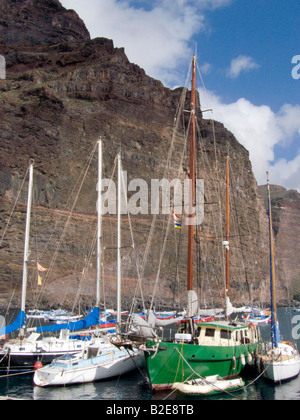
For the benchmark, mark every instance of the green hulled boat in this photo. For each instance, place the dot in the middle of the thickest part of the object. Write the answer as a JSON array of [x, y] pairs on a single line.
[[220, 348]]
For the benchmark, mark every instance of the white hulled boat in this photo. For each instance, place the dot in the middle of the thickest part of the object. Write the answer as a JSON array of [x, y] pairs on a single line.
[[100, 361], [22, 353], [279, 360]]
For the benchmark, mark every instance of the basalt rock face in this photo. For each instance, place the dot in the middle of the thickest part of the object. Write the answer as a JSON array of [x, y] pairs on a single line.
[[64, 90], [39, 22], [286, 227]]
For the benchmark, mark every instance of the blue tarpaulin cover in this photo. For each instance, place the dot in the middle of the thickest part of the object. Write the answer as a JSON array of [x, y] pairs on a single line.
[[89, 321], [16, 325]]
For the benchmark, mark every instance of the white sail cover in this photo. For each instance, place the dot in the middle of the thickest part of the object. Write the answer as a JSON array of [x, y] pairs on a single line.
[[142, 328], [192, 303]]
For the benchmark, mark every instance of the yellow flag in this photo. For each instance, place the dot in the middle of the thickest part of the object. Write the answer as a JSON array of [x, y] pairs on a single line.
[[40, 268]]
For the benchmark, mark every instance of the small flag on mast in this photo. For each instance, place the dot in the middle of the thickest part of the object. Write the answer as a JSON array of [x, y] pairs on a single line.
[[39, 280], [177, 223], [41, 269]]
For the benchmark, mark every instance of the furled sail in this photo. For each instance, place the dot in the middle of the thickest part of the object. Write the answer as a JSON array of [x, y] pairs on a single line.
[[141, 328], [91, 320]]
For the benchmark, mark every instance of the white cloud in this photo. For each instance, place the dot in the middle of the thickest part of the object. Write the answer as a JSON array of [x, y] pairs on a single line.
[[156, 34], [242, 63], [259, 130], [287, 172], [205, 68]]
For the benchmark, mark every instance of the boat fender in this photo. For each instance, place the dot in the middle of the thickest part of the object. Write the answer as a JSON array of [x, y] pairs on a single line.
[[38, 365], [243, 360], [249, 358], [234, 363]]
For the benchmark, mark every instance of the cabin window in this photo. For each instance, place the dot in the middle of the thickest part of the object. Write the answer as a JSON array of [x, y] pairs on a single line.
[[210, 332], [226, 334], [92, 352]]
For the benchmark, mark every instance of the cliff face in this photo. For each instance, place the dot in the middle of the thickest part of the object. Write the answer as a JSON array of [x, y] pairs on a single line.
[[64, 90], [39, 22], [286, 227]]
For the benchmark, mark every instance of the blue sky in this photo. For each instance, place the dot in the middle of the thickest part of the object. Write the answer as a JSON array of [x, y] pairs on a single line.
[[245, 50], [266, 30]]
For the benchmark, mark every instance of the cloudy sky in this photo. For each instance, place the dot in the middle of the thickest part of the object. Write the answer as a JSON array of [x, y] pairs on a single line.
[[248, 54]]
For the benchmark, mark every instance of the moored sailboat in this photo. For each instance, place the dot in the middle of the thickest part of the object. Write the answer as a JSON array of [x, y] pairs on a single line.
[[102, 360], [279, 360], [22, 353], [219, 348]]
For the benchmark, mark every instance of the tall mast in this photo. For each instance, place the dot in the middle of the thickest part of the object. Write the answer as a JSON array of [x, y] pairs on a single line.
[[119, 243], [227, 235], [99, 228], [275, 334], [26, 245], [190, 268]]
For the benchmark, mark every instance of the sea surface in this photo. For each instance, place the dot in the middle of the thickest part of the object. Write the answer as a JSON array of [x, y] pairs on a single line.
[[134, 386]]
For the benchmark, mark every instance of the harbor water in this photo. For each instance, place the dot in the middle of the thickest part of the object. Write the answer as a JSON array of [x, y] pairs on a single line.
[[135, 387]]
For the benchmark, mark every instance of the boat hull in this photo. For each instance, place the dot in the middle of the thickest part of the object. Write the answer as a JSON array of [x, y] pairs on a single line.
[[21, 355], [178, 362], [24, 362], [279, 364], [91, 370], [281, 370]]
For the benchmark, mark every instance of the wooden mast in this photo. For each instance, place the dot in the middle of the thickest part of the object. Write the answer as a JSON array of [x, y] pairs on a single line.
[[190, 268], [227, 225]]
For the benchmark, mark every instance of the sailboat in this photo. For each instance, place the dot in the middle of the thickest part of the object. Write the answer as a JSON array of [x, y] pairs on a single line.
[[22, 353], [280, 360], [211, 348], [99, 361]]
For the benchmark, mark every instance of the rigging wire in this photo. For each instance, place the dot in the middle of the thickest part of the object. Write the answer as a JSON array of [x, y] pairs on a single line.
[[70, 215]]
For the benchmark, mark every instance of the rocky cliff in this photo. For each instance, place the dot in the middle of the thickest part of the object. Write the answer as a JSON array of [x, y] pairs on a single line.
[[286, 227], [64, 90]]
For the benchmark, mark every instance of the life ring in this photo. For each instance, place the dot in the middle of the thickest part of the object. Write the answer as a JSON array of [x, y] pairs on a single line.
[[252, 326]]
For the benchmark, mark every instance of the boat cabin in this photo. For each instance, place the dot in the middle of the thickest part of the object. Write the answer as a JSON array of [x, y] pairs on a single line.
[[218, 334]]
